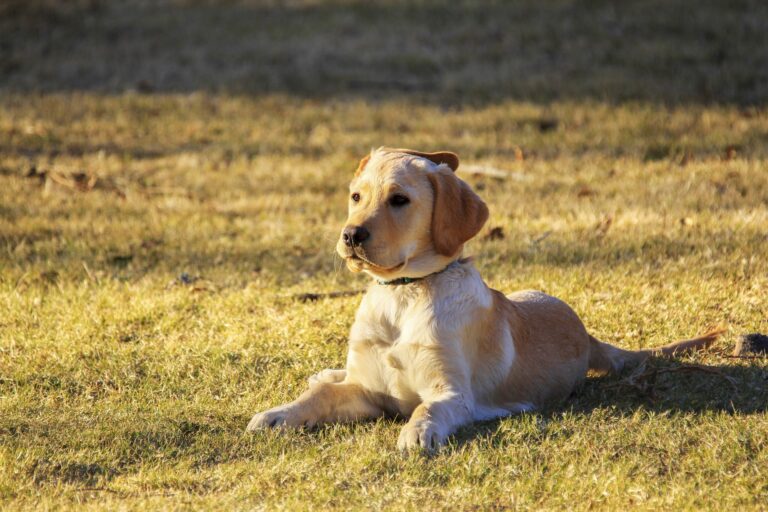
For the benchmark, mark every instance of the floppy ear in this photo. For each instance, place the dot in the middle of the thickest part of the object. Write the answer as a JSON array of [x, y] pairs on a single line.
[[361, 165], [458, 213], [438, 157]]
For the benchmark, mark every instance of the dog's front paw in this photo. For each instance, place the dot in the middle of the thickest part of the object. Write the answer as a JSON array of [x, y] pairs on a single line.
[[423, 436], [279, 417]]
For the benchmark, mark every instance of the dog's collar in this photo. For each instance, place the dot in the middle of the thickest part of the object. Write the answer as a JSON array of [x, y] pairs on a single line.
[[408, 280]]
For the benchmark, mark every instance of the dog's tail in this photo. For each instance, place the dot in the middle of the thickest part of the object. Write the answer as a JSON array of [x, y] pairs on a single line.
[[607, 358]]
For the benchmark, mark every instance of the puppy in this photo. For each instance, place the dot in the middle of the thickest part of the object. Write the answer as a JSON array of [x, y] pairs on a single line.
[[431, 341]]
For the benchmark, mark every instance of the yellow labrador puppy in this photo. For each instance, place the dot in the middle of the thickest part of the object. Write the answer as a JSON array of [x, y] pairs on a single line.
[[431, 341]]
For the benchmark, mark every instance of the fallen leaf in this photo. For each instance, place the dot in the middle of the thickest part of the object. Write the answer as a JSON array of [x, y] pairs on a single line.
[[312, 297], [79, 181], [496, 233], [83, 182]]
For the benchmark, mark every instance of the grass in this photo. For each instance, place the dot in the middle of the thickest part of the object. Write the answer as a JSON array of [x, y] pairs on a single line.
[[155, 237]]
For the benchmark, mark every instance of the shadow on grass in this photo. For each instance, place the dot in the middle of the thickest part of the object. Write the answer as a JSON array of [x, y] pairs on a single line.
[[669, 388], [207, 439], [454, 53], [729, 389]]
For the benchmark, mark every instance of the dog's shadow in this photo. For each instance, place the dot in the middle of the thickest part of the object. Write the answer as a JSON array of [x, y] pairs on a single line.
[[659, 386]]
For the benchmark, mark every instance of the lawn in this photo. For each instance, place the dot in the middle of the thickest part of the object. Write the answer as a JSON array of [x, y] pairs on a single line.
[[173, 177]]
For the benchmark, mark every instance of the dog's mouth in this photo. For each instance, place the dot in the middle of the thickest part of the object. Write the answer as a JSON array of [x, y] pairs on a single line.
[[359, 258]]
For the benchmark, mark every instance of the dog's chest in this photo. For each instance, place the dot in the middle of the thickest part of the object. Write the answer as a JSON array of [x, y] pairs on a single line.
[[387, 370], [384, 348], [404, 338]]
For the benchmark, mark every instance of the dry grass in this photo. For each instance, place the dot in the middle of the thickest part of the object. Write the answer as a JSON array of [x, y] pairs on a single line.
[[152, 244]]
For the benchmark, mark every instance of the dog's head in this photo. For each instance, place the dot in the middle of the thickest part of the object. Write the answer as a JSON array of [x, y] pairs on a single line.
[[409, 215]]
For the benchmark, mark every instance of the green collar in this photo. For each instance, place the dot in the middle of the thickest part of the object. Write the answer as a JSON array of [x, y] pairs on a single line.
[[408, 280]]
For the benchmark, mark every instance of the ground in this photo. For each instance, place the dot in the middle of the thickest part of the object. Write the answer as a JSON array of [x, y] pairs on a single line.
[[173, 176]]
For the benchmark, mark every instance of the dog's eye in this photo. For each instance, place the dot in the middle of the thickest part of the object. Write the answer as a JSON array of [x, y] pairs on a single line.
[[399, 200], [356, 197]]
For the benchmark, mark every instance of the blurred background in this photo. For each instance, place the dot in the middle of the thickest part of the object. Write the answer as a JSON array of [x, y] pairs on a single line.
[[454, 53]]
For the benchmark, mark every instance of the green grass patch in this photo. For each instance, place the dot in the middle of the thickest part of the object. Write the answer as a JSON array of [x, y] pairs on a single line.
[[154, 244]]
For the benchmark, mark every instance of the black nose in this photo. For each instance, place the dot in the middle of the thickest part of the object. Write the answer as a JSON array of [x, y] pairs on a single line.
[[355, 235]]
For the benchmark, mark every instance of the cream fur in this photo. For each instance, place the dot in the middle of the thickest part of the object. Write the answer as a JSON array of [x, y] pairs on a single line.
[[444, 350]]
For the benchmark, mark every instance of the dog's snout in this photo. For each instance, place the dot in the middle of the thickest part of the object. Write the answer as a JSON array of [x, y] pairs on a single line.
[[355, 235]]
